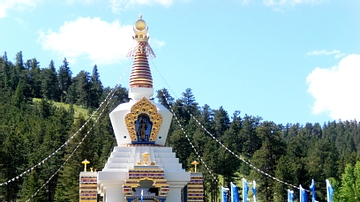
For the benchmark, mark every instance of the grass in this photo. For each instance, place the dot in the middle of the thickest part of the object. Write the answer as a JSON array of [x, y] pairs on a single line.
[[78, 110]]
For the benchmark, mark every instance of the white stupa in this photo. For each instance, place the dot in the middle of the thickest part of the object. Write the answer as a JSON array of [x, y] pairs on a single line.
[[140, 166]]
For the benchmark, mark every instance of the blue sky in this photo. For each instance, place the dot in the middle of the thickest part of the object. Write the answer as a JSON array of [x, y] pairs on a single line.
[[288, 61]]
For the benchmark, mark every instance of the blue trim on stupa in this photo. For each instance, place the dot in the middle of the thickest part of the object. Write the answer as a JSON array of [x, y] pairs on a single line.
[[132, 198]]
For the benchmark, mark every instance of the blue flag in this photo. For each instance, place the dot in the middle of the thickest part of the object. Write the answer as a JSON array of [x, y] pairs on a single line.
[[312, 188], [290, 196], [254, 191], [303, 195], [224, 194], [234, 192], [330, 191], [245, 189]]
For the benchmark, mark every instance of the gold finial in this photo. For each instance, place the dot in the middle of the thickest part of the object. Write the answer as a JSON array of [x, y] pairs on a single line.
[[85, 162], [195, 163], [140, 29], [91, 169], [146, 157], [140, 24]]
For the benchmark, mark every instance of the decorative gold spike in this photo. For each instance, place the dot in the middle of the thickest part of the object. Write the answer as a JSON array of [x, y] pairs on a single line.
[[195, 163], [85, 162]]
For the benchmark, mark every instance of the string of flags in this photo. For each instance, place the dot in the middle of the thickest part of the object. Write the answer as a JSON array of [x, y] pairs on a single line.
[[105, 102], [303, 195], [218, 141]]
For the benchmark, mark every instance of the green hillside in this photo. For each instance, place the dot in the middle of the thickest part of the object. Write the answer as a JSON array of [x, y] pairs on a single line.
[[78, 110], [32, 129]]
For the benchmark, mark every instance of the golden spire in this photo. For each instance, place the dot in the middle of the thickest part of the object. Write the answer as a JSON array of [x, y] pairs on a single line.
[[140, 73], [85, 162]]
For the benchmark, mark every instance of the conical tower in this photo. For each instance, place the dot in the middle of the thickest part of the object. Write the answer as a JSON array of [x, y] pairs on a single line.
[[145, 122], [140, 166]]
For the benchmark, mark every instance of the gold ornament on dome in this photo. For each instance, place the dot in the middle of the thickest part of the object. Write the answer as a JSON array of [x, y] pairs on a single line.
[[143, 108], [141, 38]]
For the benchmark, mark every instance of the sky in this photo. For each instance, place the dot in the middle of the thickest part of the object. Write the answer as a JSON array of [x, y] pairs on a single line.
[[287, 61]]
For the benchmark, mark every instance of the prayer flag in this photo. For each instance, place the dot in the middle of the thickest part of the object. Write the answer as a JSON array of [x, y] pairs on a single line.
[[330, 191], [234, 192], [312, 188], [303, 195], [245, 189], [290, 196], [254, 191], [224, 194]]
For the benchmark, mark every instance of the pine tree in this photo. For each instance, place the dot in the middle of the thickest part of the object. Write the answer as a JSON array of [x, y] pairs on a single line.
[[189, 102], [34, 77], [179, 143], [211, 157], [221, 122], [291, 166], [266, 157], [81, 83], [68, 183], [185, 106], [49, 83], [164, 98], [14, 155], [20, 98], [322, 163], [20, 73], [64, 79], [5, 71], [96, 88], [249, 142], [350, 183]]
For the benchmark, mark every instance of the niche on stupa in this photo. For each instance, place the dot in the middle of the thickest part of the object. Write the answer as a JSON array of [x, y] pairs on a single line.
[[143, 122]]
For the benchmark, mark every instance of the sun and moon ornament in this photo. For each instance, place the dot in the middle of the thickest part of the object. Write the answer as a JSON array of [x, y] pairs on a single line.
[[141, 40]]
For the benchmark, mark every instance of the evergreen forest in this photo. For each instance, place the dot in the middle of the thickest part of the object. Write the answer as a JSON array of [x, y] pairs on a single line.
[[40, 154]]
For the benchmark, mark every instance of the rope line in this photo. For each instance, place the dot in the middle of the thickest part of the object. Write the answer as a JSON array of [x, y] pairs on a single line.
[[111, 93], [187, 137], [164, 79], [183, 130], [106, 101], [55, 152], [237, 156], [72, 153], [222, 145]]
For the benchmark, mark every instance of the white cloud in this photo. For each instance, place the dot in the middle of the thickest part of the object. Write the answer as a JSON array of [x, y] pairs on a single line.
[[117, 5], [336, 90], [100, 41], [20, 21], [156, 43], [278, 4], [19, 5], [71, 2], [336, 53]]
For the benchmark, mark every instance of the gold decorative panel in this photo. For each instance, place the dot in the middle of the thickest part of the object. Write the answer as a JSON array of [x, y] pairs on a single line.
[[143, 108]]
